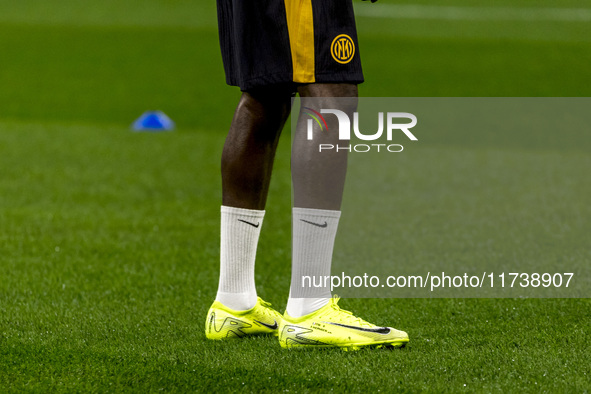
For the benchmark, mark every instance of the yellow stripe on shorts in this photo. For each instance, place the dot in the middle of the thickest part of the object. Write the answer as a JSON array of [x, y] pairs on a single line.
[[300, 24]]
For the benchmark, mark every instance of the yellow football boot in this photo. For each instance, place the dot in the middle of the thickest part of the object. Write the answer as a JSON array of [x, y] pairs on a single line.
[[331, 326], [225, 323]]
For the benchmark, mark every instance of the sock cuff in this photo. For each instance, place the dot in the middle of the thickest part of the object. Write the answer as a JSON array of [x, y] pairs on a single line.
[[316, 212], [253, 213]]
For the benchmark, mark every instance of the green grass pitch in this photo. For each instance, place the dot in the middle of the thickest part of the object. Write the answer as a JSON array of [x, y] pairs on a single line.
[[109, 239]]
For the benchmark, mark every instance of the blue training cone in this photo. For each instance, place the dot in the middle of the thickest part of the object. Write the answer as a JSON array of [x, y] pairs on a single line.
[[153, 121]]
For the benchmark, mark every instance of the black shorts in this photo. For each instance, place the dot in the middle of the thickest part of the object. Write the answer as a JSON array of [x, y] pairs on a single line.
[[268, 42]]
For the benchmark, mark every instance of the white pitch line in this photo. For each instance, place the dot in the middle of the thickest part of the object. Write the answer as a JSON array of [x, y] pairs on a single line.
[[415, 11]]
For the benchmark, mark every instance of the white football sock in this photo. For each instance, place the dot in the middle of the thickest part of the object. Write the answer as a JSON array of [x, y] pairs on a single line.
[[314, 232], [239, 239]]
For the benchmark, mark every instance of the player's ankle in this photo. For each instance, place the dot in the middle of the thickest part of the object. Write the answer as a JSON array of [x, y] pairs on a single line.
[[298, 307], [237, 301]]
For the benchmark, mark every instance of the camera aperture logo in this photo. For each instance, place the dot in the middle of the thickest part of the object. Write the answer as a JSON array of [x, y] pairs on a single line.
[[392, 127]]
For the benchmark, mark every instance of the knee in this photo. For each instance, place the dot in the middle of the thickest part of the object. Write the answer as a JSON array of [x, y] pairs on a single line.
[[341, 96], [260, 117], [268, 101]]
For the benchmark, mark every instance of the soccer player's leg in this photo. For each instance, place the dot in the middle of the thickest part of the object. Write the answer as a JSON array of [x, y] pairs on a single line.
[[247, 162], [249, 149], [312, 317]]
